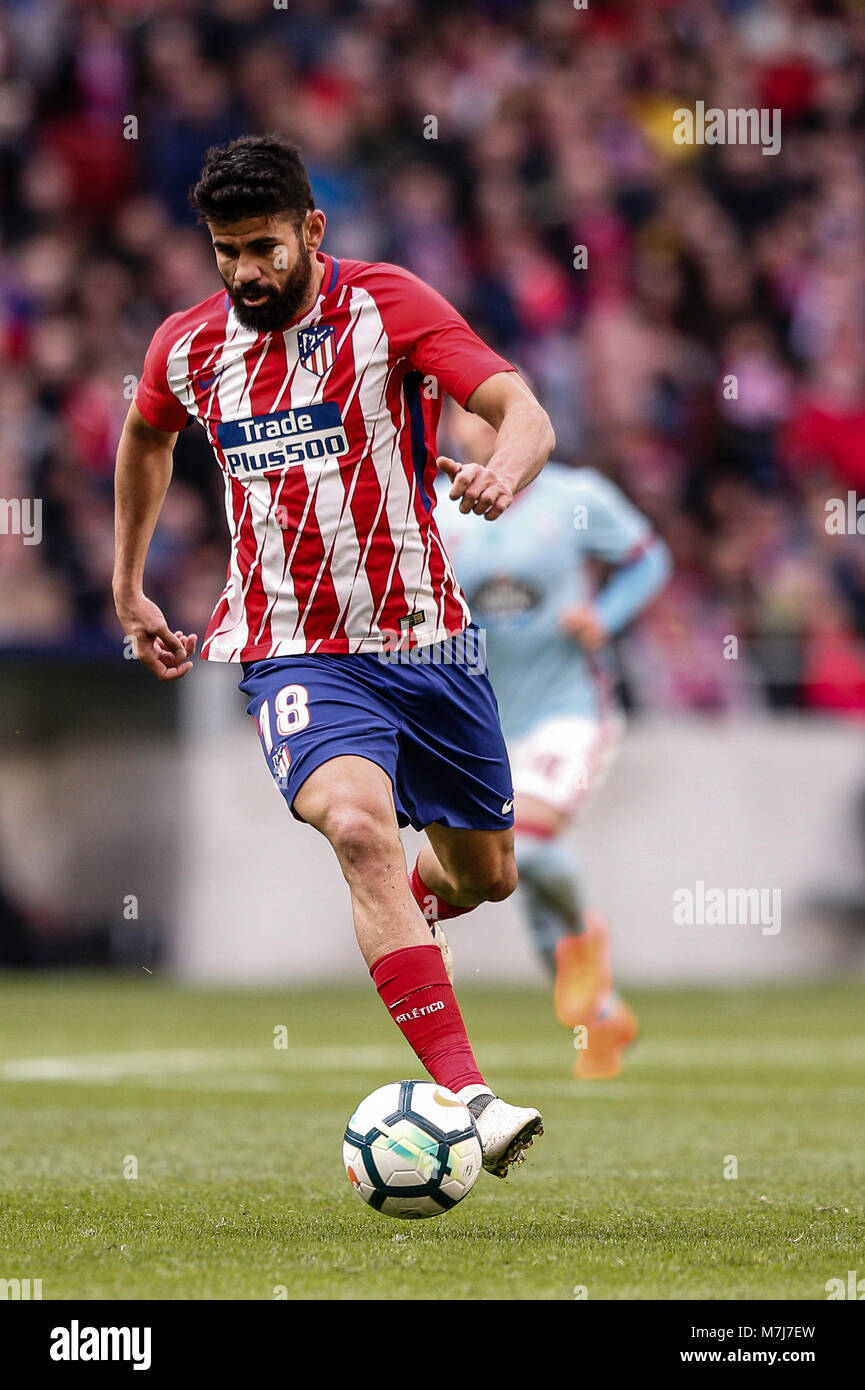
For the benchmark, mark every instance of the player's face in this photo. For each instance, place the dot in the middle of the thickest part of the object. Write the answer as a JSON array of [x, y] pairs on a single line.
[[267, 268]]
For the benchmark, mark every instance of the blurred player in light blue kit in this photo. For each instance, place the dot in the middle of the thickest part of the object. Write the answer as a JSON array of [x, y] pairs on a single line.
[[528, 581]]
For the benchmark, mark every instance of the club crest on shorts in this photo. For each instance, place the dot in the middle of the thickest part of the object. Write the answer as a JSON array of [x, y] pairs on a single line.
[[281, 762], [317, 348]]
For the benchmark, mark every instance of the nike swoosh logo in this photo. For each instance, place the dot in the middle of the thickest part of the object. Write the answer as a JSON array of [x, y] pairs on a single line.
[[205, 384], [508, 806]]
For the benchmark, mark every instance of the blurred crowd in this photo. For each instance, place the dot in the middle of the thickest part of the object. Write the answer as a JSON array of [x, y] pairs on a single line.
[[705, 349]]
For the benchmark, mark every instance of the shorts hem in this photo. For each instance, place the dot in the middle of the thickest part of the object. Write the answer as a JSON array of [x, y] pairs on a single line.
[[454, 822], [317, 758]]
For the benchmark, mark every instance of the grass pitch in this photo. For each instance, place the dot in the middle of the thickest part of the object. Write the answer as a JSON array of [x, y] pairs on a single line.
[[240, 1191]]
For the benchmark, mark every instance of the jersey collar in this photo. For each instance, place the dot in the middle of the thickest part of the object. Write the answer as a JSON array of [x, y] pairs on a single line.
[[331, 273], [328, 281]]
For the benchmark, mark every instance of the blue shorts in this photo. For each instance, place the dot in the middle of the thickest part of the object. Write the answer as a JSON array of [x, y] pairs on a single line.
[[431, 723]]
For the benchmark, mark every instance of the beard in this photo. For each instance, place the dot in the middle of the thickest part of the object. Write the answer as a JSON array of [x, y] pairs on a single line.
[[280, 306]]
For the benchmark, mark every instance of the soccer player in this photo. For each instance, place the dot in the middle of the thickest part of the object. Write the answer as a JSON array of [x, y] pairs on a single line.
[[530, 588], [318, 383]]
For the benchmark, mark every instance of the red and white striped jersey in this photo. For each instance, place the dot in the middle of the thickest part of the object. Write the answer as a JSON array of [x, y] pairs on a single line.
[[325, 434]]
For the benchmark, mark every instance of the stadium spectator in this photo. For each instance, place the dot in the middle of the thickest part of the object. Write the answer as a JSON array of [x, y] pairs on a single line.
[[708, 354]]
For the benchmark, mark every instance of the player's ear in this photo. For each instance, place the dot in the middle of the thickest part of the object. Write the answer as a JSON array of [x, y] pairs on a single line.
[[313, 229]]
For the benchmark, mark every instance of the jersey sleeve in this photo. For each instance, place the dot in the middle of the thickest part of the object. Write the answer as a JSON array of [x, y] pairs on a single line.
[[154, 397], [609, 527], [606, 524], [424, 328]]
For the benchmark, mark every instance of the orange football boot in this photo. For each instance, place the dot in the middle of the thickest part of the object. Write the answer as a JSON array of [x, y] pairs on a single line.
[[583, 976], [606, 1040]]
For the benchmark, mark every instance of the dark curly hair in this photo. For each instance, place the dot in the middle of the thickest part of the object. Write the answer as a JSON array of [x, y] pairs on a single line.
[[255, 176]]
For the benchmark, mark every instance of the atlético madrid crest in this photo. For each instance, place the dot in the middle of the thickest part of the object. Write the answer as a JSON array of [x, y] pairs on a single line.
[[317, 349]]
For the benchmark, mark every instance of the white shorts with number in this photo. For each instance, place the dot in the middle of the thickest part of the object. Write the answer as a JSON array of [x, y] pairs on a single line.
[[564, 761]]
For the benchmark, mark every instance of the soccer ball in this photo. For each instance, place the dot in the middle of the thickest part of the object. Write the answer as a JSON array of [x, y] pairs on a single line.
[[411, 1149]]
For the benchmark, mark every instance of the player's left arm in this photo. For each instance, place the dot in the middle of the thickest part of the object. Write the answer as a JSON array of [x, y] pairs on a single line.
[[630, 590], [524, 442], [622, 537]]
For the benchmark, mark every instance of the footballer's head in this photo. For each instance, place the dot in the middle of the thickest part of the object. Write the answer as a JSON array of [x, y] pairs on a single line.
[[255, 198]]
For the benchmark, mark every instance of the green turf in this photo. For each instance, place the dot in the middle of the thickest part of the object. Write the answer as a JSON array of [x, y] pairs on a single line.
[[240, 1186]]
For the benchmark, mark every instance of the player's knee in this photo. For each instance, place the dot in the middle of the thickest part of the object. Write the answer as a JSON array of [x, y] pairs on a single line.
[[492, 881], [503, 881], [359, 835]]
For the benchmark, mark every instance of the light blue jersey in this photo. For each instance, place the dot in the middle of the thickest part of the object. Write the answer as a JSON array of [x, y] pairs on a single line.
[[521, 572]]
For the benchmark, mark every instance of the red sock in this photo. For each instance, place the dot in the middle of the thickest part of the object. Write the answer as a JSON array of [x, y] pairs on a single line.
[[414, 987], [434, 908]]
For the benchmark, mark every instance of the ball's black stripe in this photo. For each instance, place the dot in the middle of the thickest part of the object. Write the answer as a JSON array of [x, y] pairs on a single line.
[[446, 1202], [463, 1134], [443, 1155], [374, 1175], [429, 1127]]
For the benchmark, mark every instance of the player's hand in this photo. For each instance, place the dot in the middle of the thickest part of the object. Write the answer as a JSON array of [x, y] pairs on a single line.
[[167, 654], [480, 489], [582, 624]]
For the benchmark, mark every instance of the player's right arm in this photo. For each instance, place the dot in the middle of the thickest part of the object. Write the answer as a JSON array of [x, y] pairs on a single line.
[[142, 475]]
